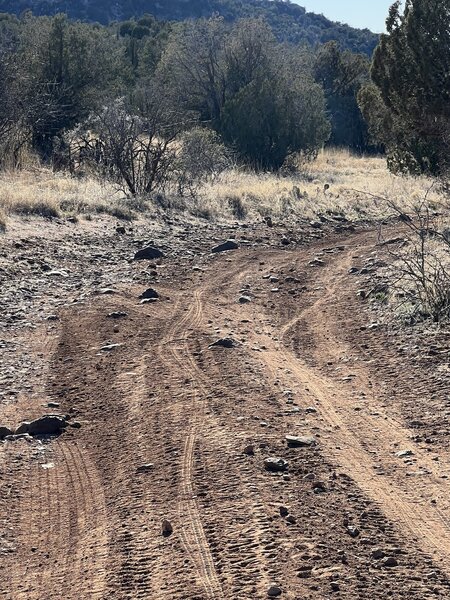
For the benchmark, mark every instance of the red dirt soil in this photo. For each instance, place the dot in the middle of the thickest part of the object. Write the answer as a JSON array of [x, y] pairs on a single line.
[[79, 520]]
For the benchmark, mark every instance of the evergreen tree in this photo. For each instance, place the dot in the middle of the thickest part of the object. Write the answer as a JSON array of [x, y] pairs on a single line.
[[411, 68]]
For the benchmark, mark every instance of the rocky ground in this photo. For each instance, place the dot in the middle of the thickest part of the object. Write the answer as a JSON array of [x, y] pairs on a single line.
[[306, 455]]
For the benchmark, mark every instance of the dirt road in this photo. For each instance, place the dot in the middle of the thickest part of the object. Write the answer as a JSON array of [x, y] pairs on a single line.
[[173, 429]]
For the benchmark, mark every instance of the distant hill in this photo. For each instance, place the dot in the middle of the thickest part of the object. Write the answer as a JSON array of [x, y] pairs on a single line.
[[289, 21]]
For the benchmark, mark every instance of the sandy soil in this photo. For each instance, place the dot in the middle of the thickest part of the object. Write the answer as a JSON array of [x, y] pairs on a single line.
[[364, 512]]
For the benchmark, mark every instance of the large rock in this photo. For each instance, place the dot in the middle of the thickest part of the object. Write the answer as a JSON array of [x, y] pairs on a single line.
[[149, 293], [148, 253], [300, 441], [228, 245], [4, 431], [46, 425], [275, 464]]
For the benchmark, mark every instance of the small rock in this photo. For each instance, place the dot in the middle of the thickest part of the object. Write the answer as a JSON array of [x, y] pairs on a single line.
[[53, 404], [404, 453], [4, 431], [299, 441], [275, 464], [377, 553], [291, 519], [249, 450], [223, 343], [352, 531], [228, 245], [109, 347], [148, 253], [284, 511], [149, 293], [120, 229], [316, 262], [145, 468], [117, 315], [75, 425], [167, 528], [389, 561], [274, 591], [319, 486], [244, 299]]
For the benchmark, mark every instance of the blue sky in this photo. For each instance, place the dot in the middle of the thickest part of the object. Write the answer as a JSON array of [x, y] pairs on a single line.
[[358, 13]]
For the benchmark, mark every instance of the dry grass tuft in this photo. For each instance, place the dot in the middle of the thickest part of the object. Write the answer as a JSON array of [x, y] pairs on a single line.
[[336, 183], [2, 222], [44, 193]]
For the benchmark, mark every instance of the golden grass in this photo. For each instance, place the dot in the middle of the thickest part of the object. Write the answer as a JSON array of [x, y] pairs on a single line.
[[337, 182], [353, 182], [44, 193]]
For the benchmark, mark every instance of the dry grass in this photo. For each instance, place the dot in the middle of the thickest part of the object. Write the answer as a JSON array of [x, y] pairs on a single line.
[[43, 193], [336, 183], [353, 182], [2, 222]]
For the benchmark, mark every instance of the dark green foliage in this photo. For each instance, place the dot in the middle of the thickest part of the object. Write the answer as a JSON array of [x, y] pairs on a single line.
[[341, 75], [250, 89], [288, 21], [409, 111]]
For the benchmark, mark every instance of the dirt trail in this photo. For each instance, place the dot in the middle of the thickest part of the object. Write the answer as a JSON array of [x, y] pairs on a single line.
[[86, 521]]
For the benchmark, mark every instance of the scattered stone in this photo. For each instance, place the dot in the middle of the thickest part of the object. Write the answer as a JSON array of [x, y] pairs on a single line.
[[223, 343], [117, 315], [390, 562], [274, 591], [149, 293], [396, 240], [377, 553], [228, 245], [319, 486], [310, 410], [20, 436], [275, 464], [269, 221], [291, 520], [249, 450], [120, 229], [148, 253], [294, 441], [4, 431], [335, 587], [145, 468], [316, 262], [167, 528], [352, 531], [244, 299], [109, 347], [53, 405], [284, 511], [405, 453], [75, 425], [46, 425]]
